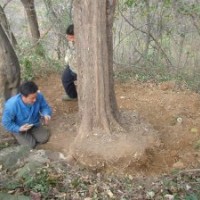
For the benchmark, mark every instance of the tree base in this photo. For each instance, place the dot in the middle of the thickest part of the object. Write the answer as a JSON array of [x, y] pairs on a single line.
[[119, 150]]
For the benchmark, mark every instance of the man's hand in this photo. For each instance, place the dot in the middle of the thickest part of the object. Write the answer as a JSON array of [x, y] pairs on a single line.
[[47, 118], [25, 127]]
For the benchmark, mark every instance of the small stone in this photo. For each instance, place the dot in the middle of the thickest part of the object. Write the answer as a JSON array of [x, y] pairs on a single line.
[[110, 194], [188, 187], [130, 177], [150, 194], [169, 197], [179, 120]]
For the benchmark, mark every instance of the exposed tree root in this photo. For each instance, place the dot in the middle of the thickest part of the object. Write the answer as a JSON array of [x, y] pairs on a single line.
[[118, 150]]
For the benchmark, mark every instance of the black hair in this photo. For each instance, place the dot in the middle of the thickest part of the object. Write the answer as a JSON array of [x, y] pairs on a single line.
[[70, 30], [28, 87]]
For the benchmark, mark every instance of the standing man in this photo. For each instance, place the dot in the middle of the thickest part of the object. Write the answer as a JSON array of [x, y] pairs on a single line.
[[22, 115], [70, 73]]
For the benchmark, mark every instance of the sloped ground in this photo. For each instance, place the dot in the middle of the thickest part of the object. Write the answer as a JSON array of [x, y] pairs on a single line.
[[172, 111], [40, 175], [173, 173]]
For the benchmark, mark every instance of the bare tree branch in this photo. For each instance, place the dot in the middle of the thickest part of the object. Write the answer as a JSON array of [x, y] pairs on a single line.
[[8, 1], [153, 38]]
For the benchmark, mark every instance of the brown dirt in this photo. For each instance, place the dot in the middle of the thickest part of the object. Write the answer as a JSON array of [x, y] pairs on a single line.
[[172, 112]]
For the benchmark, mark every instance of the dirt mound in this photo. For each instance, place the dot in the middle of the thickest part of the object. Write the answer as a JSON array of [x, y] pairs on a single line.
[[120, 151]]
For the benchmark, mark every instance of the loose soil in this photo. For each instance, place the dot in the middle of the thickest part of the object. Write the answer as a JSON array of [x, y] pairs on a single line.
[[172, 112]]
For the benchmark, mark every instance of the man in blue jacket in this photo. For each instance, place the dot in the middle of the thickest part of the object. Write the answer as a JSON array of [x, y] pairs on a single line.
[[22, 115]]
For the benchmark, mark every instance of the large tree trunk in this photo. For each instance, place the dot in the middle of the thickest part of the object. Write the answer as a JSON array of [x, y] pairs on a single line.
[[102, 136], [93, 31], [5, 24], [9, 68], [32, 19]]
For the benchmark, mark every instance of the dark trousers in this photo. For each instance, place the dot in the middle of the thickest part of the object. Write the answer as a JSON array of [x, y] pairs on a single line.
[[68, 78], [33, 136]]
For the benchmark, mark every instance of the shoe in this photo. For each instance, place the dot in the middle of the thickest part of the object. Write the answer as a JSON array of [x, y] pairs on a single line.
[[67, 98]]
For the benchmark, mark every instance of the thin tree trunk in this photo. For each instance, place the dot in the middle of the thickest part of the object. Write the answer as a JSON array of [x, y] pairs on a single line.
[[5, 24], [159, 47], [58, 27], [148, 39], [32, 19], [9, 68]]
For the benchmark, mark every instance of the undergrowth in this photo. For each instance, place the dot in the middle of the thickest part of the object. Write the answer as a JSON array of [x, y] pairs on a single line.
[[74, 183], [190, 80], [34, 62]]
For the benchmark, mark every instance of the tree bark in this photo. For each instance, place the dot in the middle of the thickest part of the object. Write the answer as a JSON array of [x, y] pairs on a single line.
[[9, 68], [93, 31], [5, 24], [32, 19], [102, 138]]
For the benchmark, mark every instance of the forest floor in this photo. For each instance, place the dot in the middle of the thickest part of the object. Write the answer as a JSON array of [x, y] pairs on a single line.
[[174, 112]]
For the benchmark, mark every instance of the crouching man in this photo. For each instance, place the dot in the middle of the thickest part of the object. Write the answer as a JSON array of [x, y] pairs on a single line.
[[22, 115]]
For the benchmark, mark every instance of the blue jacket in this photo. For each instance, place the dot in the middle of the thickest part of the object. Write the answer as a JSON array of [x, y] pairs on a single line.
[[16, 113]]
